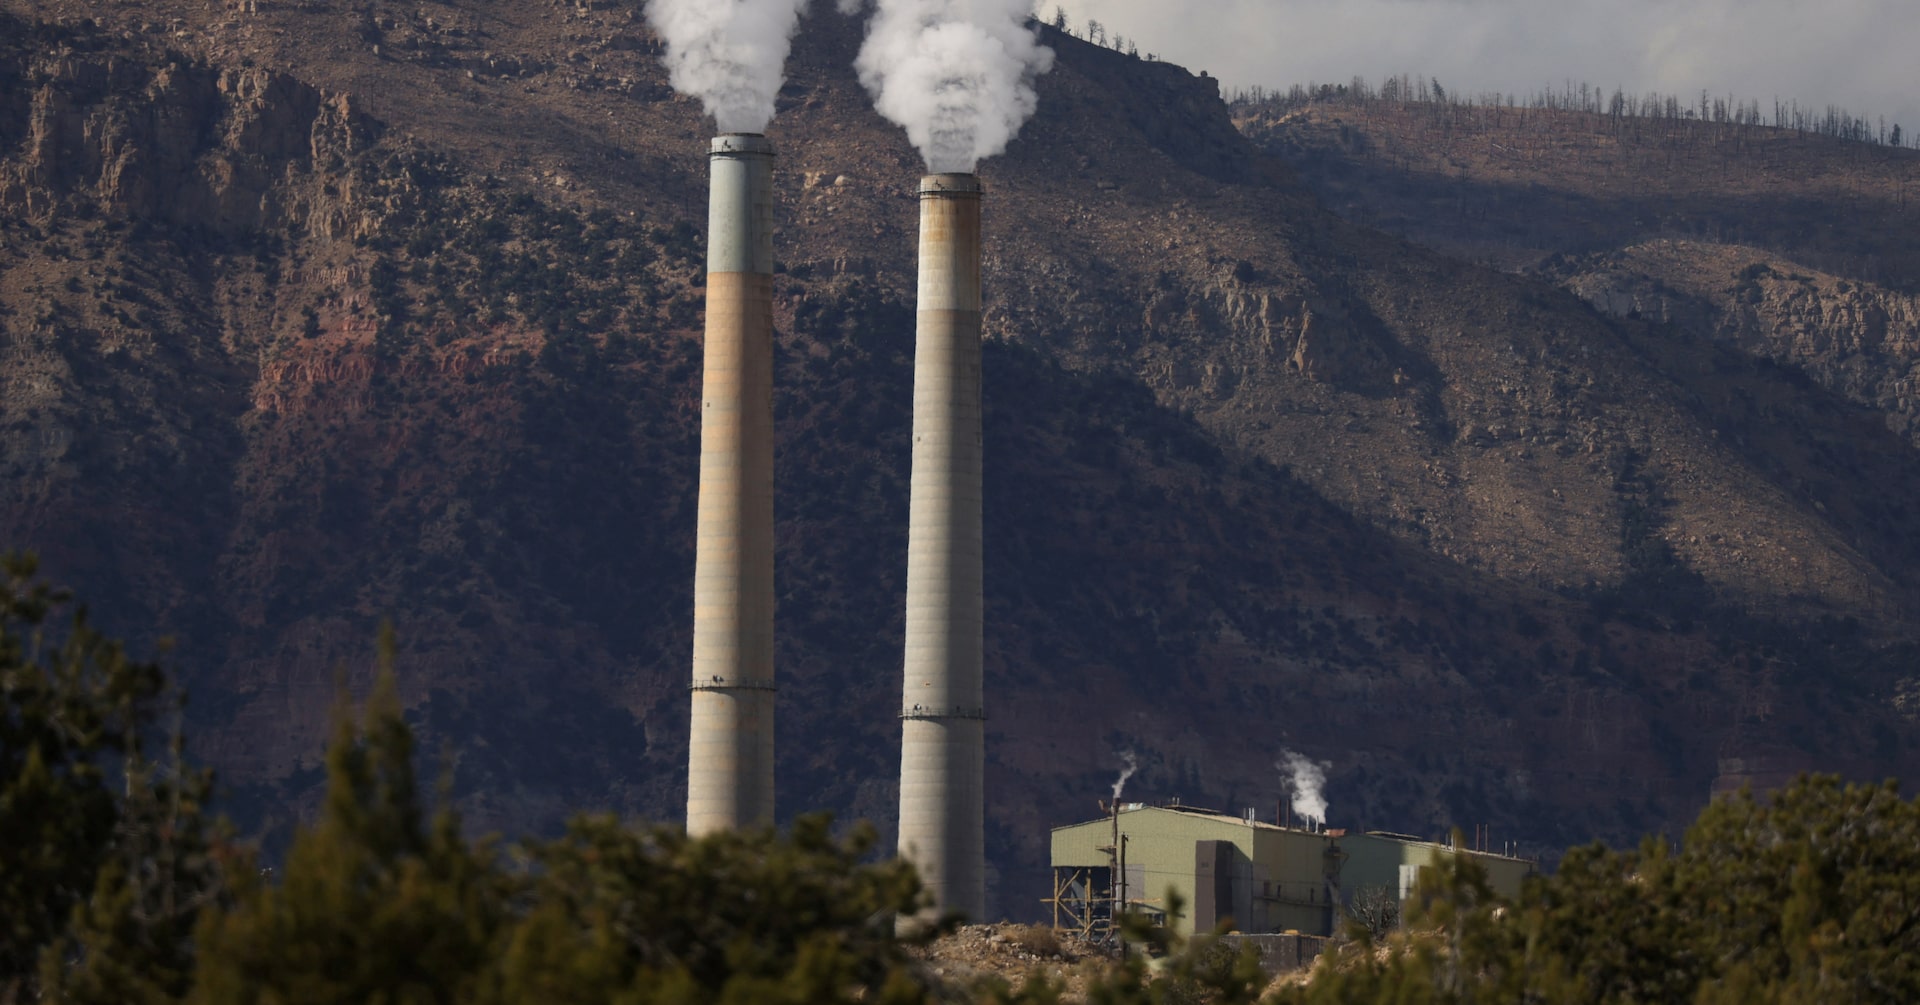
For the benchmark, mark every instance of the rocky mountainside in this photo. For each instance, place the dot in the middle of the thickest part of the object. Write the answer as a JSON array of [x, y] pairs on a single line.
[[1793, 247], [315, 315]]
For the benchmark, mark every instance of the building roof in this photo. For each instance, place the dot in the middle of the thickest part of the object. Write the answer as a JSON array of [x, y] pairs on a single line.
[[1201, 814], [1215, 816]]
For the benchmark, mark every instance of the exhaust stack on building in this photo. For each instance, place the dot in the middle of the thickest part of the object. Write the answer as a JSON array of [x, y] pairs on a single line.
[[730, 748], [942, 755]]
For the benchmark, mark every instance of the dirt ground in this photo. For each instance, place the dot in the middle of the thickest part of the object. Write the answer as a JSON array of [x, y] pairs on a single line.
[[1014, 953]]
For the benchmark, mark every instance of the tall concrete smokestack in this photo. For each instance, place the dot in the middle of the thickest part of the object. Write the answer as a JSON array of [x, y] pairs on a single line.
[[730, 748], [943, 744]]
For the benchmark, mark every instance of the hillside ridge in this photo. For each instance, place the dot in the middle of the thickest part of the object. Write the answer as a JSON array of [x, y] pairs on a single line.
[[401, 321]]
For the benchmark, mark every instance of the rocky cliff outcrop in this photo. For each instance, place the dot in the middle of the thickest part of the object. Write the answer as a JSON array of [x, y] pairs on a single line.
[[165, 138], [1857, 339]]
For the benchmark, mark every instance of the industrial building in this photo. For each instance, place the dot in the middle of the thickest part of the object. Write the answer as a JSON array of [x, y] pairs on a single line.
[[1264, 876]]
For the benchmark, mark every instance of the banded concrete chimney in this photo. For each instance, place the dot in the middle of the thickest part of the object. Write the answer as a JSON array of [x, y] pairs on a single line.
[[730, 746], [943, 743]]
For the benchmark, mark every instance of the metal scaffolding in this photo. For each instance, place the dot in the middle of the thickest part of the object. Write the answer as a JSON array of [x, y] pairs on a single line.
[[1083, 903]]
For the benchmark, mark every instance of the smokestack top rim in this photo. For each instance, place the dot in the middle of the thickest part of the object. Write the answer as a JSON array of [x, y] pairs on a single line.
[[741, 145], [953, 183]]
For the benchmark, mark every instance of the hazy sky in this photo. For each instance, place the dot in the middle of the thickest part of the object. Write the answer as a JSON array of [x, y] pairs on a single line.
[[1863, 55]]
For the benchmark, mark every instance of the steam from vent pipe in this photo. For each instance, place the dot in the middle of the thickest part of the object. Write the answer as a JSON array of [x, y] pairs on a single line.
[[957, 75], [731, 54], [1130, 764], [1306, 778]]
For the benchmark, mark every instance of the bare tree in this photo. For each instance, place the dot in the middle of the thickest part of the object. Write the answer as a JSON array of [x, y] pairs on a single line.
[[1375, 910]]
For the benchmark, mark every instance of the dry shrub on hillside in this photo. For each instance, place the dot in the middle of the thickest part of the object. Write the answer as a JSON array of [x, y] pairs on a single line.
[[1036, 939]]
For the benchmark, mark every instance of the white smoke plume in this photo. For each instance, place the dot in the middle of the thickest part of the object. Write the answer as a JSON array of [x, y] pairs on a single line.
[[1130, 764], [731, 54], [956, 74], [1306, 778]]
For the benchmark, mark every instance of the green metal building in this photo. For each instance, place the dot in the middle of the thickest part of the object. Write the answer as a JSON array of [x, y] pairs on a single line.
[[1265, 877]]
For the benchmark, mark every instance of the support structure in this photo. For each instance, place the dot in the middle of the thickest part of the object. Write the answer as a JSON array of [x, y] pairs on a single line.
[[1078, 908], [943, 719], [730, 744]]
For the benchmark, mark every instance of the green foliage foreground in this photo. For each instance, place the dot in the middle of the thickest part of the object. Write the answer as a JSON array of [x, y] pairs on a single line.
[[1811, 896], [115, 888], [375, 904]]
